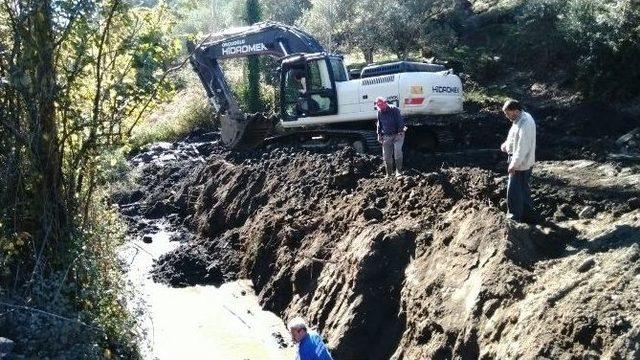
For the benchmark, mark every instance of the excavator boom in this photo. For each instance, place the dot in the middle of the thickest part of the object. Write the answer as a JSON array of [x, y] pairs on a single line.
[[240, 130]]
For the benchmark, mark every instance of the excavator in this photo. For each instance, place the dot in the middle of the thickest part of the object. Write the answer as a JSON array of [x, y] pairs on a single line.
[[320, 100]]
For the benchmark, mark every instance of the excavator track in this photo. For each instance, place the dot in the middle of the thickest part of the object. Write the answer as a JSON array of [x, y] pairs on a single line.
[[368, 139], [431, 134], [362, 140], [446, 141], [256, 129]]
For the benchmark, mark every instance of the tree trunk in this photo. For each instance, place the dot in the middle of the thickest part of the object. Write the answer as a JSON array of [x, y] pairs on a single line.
[[253, 15], [253, 77], [53, 214], [368, 56]]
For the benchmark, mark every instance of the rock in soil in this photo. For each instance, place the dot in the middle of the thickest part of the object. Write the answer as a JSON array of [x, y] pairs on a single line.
[[6, 346], [586, 265], [372, 213], [587, 212]]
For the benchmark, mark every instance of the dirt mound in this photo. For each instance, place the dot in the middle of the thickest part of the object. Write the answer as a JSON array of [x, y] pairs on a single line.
[[237, 195], [564, 132], [425, 266], [488, 289]]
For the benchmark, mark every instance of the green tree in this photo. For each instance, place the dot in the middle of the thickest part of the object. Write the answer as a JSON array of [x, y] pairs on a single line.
[[368, 26], [253, 14], [199, 17], [75, 79], [412, 24], [328, 21], [606, 36], [285, 11], [382, 25]]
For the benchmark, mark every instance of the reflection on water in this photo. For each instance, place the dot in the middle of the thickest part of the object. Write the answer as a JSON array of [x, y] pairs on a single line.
[[199, 322]]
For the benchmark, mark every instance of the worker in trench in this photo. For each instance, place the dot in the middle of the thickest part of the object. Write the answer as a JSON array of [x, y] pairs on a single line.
[[310, 344], [391, 130], [521, 147]]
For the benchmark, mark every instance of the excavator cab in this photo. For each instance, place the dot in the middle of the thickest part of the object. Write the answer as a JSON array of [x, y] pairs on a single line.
[[308, 85]]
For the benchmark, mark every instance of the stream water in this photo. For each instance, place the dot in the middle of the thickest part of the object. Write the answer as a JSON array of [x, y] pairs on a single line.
[[199, 322]]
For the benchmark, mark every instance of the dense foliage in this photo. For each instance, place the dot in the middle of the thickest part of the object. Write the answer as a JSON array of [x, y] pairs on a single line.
[[587, 44], [76, 77]]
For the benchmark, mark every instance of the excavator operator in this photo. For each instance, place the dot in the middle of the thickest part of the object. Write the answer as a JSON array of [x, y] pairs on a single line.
[[297, 91]]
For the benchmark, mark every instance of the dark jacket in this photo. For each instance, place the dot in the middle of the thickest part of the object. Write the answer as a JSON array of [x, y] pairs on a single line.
[[390, 122]]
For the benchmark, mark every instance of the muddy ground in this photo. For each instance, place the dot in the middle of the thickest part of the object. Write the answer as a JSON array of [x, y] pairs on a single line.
[[425, 266]]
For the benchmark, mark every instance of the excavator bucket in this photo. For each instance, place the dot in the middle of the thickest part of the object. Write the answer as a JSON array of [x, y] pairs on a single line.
[[245, 131]]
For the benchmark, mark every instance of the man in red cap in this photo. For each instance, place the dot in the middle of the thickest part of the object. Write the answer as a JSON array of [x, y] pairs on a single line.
[[391, 129]]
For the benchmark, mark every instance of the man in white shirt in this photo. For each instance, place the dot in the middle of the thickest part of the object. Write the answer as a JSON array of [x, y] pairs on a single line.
[[521, 147]]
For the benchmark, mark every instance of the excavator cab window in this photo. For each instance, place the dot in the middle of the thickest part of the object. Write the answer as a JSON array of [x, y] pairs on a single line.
[[338, 69], [321, 93], [294, 92], [308, 89]]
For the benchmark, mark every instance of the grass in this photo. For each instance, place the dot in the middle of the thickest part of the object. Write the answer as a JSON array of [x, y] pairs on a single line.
[[484, 97], [173, 120], [189, 109]]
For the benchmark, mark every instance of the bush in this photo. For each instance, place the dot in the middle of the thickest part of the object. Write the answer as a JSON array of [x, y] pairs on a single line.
[[77, 312], [174, 120], [535, 37], [478, 62], [595, 43], [607, 36], [267, 101]]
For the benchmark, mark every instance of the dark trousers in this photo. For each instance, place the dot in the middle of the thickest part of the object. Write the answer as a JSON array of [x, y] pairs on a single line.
[[519, 202]]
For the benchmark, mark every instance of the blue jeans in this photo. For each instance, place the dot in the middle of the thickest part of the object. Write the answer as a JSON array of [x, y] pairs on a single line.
[[519, 202]]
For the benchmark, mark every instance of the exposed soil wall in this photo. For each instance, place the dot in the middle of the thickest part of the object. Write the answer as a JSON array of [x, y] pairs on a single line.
[[426, 266]]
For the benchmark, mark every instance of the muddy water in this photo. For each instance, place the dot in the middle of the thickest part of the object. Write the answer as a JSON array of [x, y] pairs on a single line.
[[199, 322]]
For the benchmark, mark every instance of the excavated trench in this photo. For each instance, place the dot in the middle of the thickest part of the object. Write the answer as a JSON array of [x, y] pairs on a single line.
[[425, 266]]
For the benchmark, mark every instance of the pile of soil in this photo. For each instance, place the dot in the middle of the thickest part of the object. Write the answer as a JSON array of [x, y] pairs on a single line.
[[564, 132], [425, 266]]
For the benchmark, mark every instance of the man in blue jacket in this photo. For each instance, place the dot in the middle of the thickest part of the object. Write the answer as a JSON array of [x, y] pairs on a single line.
[[391, 130], [310, 344]]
